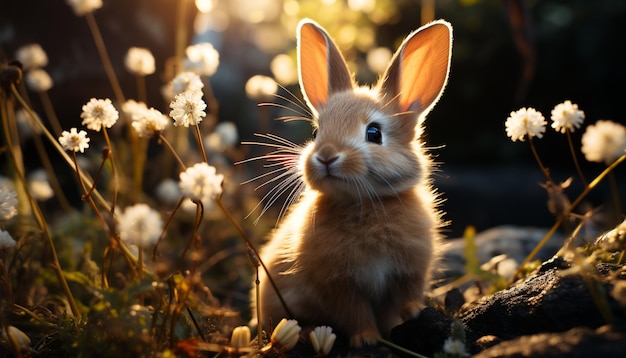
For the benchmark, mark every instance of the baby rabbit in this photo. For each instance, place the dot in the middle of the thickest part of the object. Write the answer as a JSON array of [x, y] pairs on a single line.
[[355, 251]]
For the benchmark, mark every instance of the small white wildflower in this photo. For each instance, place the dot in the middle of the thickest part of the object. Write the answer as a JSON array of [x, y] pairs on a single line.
[[38, 80], [139, 61], [260, 87], [200, 182], [82, 7], [566, 116], [168, 191], [525, 122], [98, 113], [604, 141], [6, 240], [240, 337], [140, 225], [286, 334], [74, 141], [132, 108], [39, 185], [454, 347], [187, 81], [148, 122], [25, 123], [224, 136], [322, 339], [202, 59], [31, 56], [188, 108], [8, 203]]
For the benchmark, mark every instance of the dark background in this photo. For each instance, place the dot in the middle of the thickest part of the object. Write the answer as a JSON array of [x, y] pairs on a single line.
[[507, 55]]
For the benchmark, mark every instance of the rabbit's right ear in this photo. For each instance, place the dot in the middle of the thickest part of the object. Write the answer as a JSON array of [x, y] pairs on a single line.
[[322, 69]]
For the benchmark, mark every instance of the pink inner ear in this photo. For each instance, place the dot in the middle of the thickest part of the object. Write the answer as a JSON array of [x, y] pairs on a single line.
[[313, 64], [424, 70]]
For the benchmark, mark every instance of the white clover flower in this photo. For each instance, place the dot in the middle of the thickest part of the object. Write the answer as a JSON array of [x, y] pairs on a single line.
[[8, 203], [74, 141], [31, 56], [455, 348], [98, 113], [82, 7], [202, 59], [566, 116], [168, 191], [525, 122], [240, 337], [148, 122], [188, 108], [139, 61], [604, 141], [260, 87], [200, 182], [38, 80], [39, 185], [140, 225], [322, 339], [132, 108], [6, 240], [187, 81], [286, 334]]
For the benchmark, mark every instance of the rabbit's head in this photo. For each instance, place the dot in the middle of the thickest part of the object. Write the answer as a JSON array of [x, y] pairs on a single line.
[[367, 140]]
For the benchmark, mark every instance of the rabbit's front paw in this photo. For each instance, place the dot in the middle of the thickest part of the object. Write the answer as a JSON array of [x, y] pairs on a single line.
[[412, 310], [366, 337]]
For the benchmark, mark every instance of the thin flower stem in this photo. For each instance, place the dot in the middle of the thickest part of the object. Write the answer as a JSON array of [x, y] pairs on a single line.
[[617, 204], [38, 215], [104, 56], [242, 233], [49, 109], [167, 224], [398, 348], [116, 182], [571, 149], [196, 225], [200, 145], [181, 33], [164, 140], [545, 170], [142, 95], [54, 182], [573, 205]]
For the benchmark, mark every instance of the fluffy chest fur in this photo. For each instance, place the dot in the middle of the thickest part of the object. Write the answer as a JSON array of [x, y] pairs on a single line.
[[367, 246]]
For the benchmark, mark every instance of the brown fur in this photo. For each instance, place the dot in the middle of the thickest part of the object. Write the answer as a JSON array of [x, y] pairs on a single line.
[[356, 251]]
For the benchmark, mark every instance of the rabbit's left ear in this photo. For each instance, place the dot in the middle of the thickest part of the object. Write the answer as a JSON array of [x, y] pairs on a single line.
[[419, 69], [322, 69]]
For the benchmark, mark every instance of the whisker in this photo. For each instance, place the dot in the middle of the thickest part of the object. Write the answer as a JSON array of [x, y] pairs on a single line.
[[300, 103], [390, 101]]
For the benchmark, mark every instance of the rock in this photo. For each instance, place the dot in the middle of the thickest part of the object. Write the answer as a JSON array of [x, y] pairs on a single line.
[[547, 302], [576, 342], [425, 334], [515, 242]]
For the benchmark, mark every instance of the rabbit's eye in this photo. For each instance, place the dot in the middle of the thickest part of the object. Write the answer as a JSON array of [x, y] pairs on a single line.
[[374, 134]]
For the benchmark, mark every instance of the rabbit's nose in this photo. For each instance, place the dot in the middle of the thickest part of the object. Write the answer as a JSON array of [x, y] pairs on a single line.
[[327, 161]]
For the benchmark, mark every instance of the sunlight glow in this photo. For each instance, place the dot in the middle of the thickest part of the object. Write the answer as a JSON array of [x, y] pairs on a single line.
[[204, 6]]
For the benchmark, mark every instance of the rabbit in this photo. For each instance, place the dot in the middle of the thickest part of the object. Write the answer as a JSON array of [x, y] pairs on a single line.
[[355, 250]]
